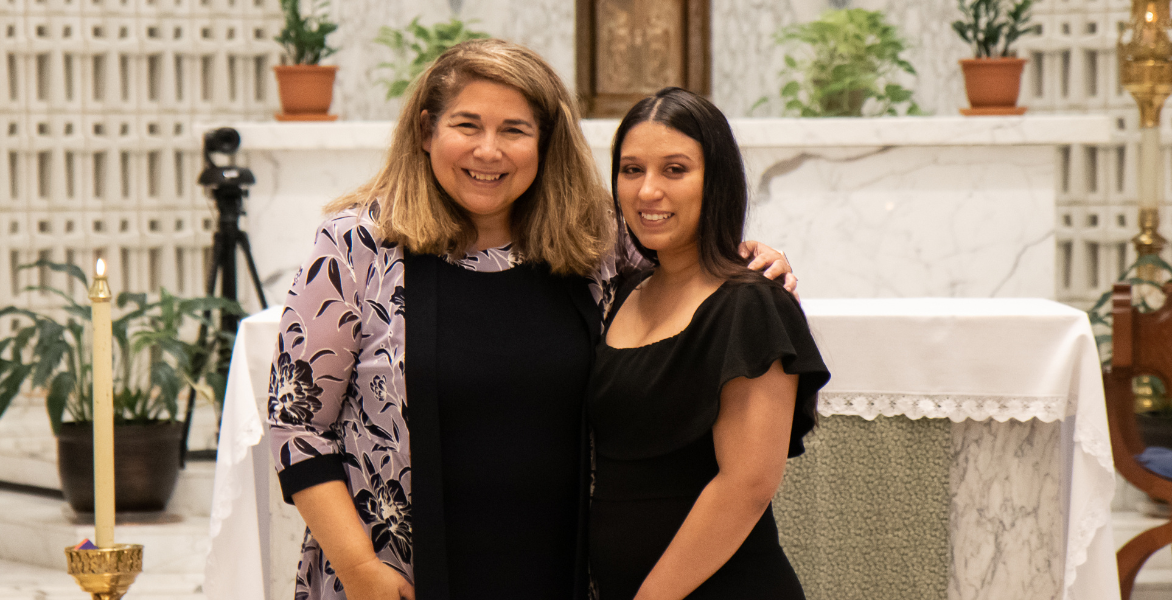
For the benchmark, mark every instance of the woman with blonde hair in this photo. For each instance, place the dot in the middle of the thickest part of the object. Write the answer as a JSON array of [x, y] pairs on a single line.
[[460, 473]]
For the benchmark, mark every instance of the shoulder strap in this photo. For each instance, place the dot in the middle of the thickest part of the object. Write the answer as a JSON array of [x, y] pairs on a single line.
[[429, 537]]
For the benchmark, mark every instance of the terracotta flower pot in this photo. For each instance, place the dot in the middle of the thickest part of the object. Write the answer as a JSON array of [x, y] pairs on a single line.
[[306, 92], [992, 85], [146, 465]]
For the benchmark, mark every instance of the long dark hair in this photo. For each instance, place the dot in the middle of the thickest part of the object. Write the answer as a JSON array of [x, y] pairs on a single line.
[[725, 193]]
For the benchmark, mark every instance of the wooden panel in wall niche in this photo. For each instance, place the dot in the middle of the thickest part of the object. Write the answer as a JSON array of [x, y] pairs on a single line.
[[640, 46], [628, 49]]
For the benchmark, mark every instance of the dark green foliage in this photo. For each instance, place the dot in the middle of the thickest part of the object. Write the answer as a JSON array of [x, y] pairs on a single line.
[[416, 47], [304, 35], [991, 27], [152, 362], [854, 56]]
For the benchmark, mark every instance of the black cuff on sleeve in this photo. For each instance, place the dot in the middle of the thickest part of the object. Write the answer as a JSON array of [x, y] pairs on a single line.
[[310, 472]]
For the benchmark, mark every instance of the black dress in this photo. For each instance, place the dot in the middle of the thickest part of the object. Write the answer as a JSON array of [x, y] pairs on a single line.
[[514, 352], [652, 409]]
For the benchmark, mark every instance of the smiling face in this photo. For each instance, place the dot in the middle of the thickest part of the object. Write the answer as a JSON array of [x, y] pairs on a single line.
[[483, 151], [660, 187]]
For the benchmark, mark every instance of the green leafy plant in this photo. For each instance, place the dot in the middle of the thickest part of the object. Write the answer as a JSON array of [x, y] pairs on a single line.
[[853, 55], [153, 363], [304, 34], [991, 27], [416, 46], [1100, 313]]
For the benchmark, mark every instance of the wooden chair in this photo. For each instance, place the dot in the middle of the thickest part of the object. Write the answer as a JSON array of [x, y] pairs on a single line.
[[1142, 345]]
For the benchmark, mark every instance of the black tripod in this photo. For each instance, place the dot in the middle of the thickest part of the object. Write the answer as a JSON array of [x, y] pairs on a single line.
[[227, 187]]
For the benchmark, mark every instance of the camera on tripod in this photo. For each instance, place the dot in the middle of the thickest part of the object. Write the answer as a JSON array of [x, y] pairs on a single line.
[[231, 179], [228, 186]]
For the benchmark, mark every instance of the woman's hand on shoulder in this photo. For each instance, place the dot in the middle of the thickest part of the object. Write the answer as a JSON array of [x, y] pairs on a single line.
[[375, 580], [772, 263]]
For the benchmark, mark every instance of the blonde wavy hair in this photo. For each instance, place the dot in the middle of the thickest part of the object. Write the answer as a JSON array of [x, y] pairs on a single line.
[[563, 219]]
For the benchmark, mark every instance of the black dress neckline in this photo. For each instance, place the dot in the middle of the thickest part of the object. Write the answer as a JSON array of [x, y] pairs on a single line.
[[622, 298]]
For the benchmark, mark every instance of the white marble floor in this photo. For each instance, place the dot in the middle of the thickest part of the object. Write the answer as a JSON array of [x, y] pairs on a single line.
[[19, 581], [34, 530]]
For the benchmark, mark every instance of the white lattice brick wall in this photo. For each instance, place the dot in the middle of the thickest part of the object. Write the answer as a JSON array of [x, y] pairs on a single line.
[[1097, 210], [98, 98], [98, 155], [98, 148]]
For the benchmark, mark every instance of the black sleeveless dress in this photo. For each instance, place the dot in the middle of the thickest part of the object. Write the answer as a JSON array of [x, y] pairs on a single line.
[[513, 351], [652, 409]]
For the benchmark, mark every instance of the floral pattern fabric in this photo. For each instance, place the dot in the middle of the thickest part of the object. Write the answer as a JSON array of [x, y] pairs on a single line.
[[337, 382]]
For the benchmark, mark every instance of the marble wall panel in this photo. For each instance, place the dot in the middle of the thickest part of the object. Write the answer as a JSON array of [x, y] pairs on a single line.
[[546, 26], [869, 221], [1009, 552], [285, 206], [745, 59], [909, 222]]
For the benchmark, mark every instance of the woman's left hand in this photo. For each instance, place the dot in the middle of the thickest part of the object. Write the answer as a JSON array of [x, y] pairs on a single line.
[[778, 265]]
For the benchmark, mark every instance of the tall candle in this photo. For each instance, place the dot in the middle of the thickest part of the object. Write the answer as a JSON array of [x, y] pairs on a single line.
[[103, 360], [1150, 174]]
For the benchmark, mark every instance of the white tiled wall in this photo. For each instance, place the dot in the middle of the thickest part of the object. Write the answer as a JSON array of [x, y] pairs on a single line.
[[98, 98], [1073, 68], [97, 151]]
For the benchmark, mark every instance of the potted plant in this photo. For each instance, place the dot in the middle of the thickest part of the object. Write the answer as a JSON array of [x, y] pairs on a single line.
[[153, 365], [854, 57], [416, 47], [992, 78], [306, 88]]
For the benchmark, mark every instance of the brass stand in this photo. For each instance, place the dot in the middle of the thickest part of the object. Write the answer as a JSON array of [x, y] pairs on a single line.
[[1149, 239], [1145, 69], [106, 573]]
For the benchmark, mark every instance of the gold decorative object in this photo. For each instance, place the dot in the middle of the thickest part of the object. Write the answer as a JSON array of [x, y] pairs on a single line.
[[1145, 70], [106, 573], [1145, 58], [1149, 241], [1146, 399]]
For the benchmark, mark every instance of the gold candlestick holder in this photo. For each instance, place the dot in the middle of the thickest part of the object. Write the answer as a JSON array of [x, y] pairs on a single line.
[[106, 573], [1145, 70], [1145, 58]]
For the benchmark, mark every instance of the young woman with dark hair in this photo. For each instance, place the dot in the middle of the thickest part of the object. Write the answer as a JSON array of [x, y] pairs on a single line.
[[725, 191], [705, 380]]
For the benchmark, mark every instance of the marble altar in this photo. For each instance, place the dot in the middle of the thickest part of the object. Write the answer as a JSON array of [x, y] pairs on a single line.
[[986, 466], [890, 207]]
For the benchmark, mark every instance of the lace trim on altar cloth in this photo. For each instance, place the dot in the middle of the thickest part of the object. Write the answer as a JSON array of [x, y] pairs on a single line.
[[956, 407], [1081, 534]]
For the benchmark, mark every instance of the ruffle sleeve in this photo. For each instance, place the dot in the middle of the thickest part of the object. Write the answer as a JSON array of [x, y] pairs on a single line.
[[655, 399], [756, 324]]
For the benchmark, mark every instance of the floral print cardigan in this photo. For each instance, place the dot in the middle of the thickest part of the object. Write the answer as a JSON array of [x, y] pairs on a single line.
[[337, 402]]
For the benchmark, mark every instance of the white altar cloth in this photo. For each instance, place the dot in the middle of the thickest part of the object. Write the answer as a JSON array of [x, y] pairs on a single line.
[[956, 358], [970, 358]]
